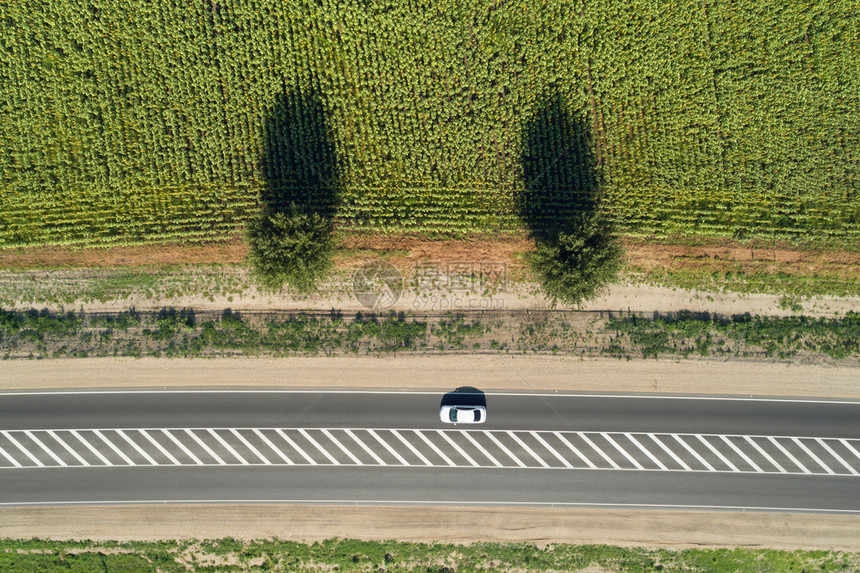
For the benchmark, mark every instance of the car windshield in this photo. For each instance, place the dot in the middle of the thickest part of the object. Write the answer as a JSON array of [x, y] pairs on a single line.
[[453, 414], [477, 415]]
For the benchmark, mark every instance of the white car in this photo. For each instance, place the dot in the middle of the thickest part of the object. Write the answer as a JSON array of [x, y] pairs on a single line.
[[463, 414]]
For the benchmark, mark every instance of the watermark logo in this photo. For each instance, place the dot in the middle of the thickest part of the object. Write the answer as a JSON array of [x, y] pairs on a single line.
[[459, 285], [479, 277], [377, 285]]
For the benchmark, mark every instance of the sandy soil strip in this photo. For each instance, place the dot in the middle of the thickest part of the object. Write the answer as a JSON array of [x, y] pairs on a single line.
[[442, 373], [677, 529]]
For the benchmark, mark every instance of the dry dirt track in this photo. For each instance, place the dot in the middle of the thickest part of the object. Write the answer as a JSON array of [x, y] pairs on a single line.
[[623, 527], [443, 373]]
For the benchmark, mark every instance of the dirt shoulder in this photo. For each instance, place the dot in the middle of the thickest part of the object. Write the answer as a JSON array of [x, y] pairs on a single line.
[[491, 373], [672, 530]]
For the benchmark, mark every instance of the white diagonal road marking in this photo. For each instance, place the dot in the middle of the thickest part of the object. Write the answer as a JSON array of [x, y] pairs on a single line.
[[717, 453], [434, 448], [273, 447], [248, 445], [140, 450], [824, 445], [614, 444], [528, 449], [656, 439], [788, 455], [642, 449], [227, 447], [741, 454], [367, 450], [551, 450], [295, 446], [406, 443], [813, 456], [474, 442], [456, 447], [18, 445], [767, 456], [594, 447], [10, 458], [116, 450], [90, 447], [309, 438], [346, 440], [354, 459], [68, 448], [573, 448], [159, 447], [501, 446], [182, 447], [39, 443], [693, 452], [203, 445], [848, 446]]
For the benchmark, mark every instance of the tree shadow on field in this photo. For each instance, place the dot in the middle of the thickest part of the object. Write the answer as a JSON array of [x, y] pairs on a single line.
[[291, 239], [575, 255]]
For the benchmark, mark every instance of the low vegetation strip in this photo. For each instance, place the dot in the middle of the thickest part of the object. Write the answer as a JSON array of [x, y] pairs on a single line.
[[392, 556], [189, 333]]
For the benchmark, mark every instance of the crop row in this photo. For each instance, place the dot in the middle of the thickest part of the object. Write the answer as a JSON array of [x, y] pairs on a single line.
[[130, 120]]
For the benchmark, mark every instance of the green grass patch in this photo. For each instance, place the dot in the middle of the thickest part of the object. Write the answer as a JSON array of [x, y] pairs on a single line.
[[394, 556]]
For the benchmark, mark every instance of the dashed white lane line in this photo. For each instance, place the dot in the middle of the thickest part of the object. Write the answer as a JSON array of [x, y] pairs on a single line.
[[248, 445], [394, 453], [272, 446], [830, 451], [624, 453], [39, 443], [228, 447], [182, 447], [642, 449], [739, 452], [295, 446], [693, 452], [159, 447], [364, 447], [113, 447], [787, 454], [342, 448], [531, 452], [551, 450], [18, 445], [813, 456], [137, 448], [90, 447], [717, 453]]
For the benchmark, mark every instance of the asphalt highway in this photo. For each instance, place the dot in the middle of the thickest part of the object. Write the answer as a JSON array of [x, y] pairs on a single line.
[[391, 448]]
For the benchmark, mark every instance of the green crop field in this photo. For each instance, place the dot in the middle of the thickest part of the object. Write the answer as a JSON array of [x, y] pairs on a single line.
[[128, 121]]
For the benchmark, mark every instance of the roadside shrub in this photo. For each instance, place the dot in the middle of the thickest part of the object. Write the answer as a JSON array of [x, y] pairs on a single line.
[[574, 264], [291, 247]]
